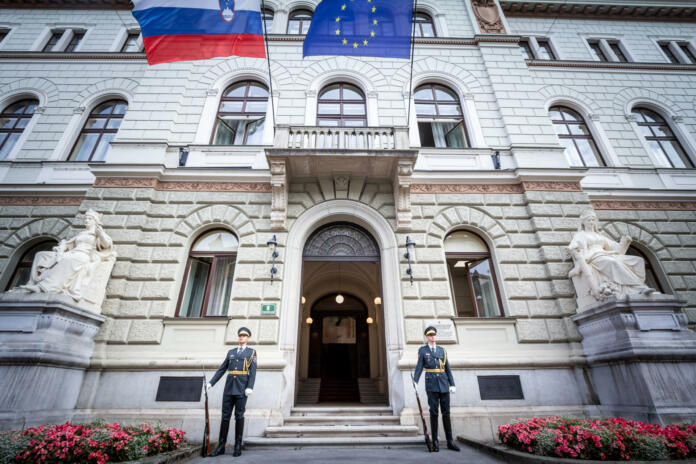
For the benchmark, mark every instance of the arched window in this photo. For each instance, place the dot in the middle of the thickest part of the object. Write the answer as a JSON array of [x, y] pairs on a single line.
[[13, 120], [651, 279], [472, 276], [341, 105], [661, 139], [299, 22], [242, 114], [99, 130], [425, 27], [580, 147], [267, 16], [20, 276], [207, 285], [440, 117]]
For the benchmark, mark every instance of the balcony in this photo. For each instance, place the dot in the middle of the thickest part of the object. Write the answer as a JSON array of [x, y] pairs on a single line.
[[341, 138], [342, 159]]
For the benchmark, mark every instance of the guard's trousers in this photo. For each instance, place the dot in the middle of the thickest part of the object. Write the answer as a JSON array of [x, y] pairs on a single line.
[[238, 403], [438, 400]]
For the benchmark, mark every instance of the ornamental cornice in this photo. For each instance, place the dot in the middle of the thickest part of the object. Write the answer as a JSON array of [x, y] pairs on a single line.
[[644, 205], [637, 10], [40, 201], [611, 65], [181, 186], [526, 186]]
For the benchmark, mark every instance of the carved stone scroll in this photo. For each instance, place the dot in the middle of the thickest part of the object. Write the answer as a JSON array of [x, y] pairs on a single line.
[[488, 16]]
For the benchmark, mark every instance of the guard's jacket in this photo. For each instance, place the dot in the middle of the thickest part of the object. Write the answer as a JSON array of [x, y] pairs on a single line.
[[241, 371], [438, 375]]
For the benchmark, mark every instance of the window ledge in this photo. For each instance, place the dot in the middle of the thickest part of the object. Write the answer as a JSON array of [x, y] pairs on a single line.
[[505, 320], [211, 320]]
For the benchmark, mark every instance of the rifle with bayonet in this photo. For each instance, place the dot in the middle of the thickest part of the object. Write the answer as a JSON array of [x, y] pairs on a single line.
[[205, 447], [428, 442]]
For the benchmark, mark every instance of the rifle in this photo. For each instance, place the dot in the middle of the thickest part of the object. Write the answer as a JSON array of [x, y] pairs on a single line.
[[205, 447], [428, 442]]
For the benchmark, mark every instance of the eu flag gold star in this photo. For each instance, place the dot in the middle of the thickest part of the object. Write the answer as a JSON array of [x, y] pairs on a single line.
[[374, 21], [338, 18], [355, 44], [343, 7], [372, 33], [365, 42], [345, 42], [338, 32], [374, 8]]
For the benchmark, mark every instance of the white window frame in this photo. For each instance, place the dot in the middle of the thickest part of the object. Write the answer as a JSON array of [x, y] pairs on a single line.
[[604, 45], [673, 44], [77, 122], [10, 30], [122, 36], [62, 43], [38, 111], [674, 123], [533, 41]]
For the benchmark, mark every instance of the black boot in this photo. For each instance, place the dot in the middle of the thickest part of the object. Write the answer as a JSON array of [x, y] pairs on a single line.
[[238, 434], [433, 431], [447, 424], [222, 440]]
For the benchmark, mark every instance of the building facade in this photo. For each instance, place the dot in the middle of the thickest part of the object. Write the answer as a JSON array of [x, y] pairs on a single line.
[[521, 115]]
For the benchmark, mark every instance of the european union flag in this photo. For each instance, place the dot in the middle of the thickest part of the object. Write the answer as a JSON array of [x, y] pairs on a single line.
[[361, 28]]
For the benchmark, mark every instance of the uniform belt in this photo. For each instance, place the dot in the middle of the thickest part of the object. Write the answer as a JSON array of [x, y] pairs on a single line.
[[238, 372], [435, 370]]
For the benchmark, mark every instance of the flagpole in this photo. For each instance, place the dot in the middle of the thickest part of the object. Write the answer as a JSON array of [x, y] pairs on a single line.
[[268, 60], [413, 46]]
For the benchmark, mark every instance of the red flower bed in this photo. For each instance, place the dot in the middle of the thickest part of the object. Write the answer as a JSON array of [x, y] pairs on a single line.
[[606, 439], [97, 442]]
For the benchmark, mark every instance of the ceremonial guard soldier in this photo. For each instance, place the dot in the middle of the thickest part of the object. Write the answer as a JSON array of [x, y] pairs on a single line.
[[240, 365], [439, 383]]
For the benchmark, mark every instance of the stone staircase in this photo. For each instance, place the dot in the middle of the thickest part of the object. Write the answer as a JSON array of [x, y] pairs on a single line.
[[340, 425], [308, 391], [369, 394]]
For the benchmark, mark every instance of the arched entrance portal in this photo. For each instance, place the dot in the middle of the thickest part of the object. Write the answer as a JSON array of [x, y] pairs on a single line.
[[342, 346]]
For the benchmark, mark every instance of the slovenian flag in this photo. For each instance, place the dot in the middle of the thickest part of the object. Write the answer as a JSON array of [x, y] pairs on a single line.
[[183, 30]]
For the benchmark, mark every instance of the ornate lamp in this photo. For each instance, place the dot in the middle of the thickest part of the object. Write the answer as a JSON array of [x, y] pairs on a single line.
[[409, 246], [273, 243]]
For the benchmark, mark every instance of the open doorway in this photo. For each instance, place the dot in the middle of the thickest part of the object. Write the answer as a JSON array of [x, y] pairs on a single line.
[[342, 353]]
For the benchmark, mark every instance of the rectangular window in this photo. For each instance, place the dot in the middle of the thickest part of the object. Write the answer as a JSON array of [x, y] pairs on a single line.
[[668, 52], [618, 51], [684, 46], [75, 41], [3, 34], [545, 50], [53, 40], [526, 50], [131, 44], [597, 50]]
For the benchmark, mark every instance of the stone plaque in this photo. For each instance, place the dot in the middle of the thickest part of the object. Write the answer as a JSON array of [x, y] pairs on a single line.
[[500, 387], [656, 320], [445, 329], [184, 389]]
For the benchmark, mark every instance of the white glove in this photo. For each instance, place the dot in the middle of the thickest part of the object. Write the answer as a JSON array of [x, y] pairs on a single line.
[[209, 386], [248, 391], [453, 389]]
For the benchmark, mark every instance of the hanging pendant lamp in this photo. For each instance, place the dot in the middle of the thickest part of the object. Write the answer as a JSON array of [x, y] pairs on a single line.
[[339, 297]]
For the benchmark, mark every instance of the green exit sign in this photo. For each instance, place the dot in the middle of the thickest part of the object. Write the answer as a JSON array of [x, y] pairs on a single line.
[[268, 309]]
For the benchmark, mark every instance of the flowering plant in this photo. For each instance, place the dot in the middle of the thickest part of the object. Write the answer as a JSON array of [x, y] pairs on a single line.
[[606, 439], [97, 442]]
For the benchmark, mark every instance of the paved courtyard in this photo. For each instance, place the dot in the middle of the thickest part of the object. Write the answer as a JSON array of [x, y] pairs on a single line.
[[352, 455]]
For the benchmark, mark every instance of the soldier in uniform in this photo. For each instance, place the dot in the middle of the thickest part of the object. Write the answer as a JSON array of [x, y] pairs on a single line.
[[439, 383], [240, 364]]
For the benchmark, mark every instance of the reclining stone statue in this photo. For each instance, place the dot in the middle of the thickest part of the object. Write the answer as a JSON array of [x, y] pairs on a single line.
[[602, 267], [78, 267]]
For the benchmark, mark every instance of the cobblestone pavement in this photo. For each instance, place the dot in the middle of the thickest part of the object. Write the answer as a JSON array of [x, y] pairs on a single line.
[[351, 455]]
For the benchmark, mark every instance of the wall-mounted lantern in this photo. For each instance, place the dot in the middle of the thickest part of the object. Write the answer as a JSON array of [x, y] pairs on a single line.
[[369, 320], [273, 243], [409, 246], [309, 321]]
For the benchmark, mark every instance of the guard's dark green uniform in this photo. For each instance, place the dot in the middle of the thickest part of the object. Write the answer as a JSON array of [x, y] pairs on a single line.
[[438, 380], [240, 368]]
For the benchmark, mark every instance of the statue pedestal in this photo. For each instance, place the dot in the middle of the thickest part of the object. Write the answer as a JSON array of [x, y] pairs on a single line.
[[642, 358], [46, 342]]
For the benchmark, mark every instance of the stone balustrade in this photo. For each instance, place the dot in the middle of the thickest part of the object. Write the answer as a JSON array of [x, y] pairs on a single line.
[[343, 138]]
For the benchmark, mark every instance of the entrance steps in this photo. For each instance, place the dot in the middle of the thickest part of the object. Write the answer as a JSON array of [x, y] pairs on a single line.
[[339, 426], [369, 394], [308, 391]]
